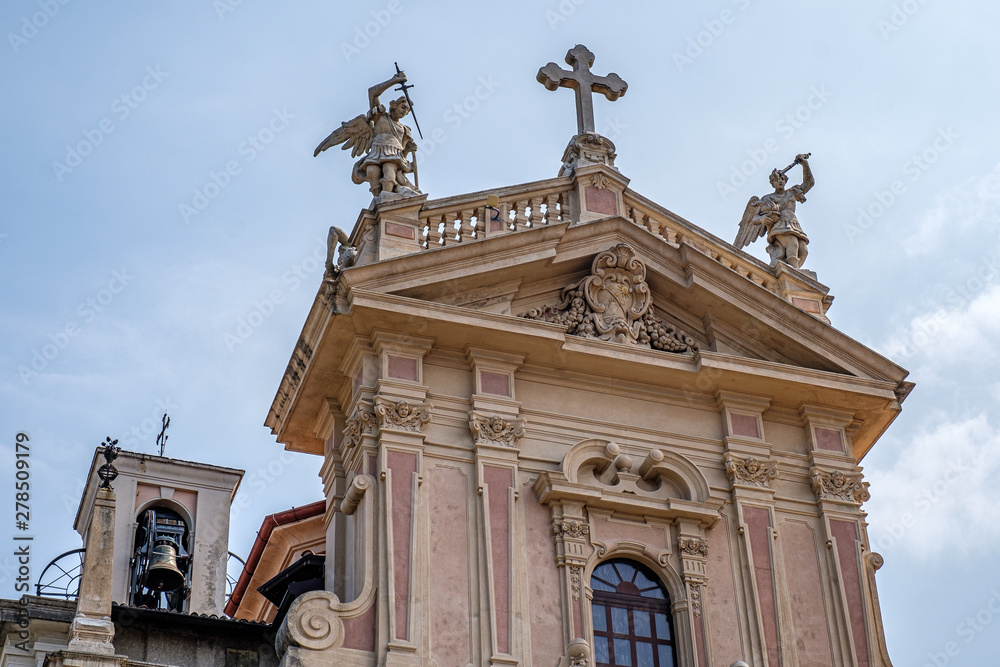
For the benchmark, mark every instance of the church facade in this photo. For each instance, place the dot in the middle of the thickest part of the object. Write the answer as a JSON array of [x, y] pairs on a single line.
[[558, 425]]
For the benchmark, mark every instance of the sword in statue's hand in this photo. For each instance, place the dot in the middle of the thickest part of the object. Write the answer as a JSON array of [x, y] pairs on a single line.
[[405, 87]]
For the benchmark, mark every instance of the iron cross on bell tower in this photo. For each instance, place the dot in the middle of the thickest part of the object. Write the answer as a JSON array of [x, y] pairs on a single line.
[[584, 82]]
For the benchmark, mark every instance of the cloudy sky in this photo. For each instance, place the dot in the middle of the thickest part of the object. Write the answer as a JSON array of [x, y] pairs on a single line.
[[160, 189]]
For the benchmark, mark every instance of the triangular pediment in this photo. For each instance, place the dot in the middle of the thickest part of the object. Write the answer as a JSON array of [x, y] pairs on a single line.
[[715, 308]]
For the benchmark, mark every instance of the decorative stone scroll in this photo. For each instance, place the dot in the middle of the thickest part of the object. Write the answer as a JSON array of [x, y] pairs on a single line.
[[361, 423], [495, 430], [402, 415], [837, 485], [751, 471], [614, 304]]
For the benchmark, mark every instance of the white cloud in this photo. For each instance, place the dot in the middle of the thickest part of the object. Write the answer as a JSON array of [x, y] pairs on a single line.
[[940, 496], [968, 206]]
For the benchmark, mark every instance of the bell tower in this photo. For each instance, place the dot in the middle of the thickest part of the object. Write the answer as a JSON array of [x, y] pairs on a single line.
[[171, 531]]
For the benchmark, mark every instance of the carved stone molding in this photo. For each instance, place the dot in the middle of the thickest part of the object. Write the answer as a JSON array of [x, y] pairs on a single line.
[[692, 546], [694, 595], [495, 430], [599, 180], [579, 653], [586, 149], [401, 415], [837, 485], [751, 471], [576, 578], [614, 304], [361, 423]]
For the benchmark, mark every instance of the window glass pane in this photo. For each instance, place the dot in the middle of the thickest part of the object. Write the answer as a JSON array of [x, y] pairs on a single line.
[[654, 593], [600, 618], [601, 649], [644, 655], [641, 621], [662, 627], [607, 572], [623, 652], [666, 656], [619, 621], [642, 581], [599, 585], [625, 570]]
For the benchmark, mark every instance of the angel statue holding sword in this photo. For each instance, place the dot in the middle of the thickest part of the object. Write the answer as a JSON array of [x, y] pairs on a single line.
[[383, 141], [773, 215]]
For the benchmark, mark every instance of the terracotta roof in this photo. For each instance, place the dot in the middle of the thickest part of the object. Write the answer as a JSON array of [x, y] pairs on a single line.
[[263, 535]]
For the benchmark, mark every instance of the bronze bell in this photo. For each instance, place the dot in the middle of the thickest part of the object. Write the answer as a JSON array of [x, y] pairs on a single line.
[[163, 573]]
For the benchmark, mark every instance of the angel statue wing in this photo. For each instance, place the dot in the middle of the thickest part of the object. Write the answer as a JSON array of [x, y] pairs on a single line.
[[355, 134], [750, 231]]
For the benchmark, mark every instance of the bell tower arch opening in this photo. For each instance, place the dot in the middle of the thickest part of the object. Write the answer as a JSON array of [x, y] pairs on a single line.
[[161, 560]]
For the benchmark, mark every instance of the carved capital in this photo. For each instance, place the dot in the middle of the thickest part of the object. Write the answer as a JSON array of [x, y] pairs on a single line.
[[361, 423], [692, 546], [401, 415], [751, 471], [837, 485], [495, 430], [570, 528]]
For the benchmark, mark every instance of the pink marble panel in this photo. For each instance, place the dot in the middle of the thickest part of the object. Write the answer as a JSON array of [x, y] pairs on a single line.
[[758, 522], [805, 588], [449, 572], [846, 534], [720, 595], [611, 532], [543, 580], [359, 632], [808, 305], [699, 638], [402, 231], [372, 465], [402, 368], [499, 480], [601, 201], [402, 465], [745, 425], [829, 439], [497, 384]]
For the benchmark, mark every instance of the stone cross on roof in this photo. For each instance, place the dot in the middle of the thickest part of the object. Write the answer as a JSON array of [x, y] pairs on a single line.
[[584, 82]]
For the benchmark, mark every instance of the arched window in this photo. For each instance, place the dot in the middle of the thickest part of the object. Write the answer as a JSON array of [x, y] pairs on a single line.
[[631, 611]]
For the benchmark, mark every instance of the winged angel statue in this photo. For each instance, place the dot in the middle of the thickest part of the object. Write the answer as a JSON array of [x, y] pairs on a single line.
[[382, 139], [773, 215]]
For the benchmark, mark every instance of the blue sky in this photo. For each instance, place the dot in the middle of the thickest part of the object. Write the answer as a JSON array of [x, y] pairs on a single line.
[[121, 119]]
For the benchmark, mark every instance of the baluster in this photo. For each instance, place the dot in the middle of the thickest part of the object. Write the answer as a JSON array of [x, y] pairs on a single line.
[[551, 212], [440, 227], [425, 231]]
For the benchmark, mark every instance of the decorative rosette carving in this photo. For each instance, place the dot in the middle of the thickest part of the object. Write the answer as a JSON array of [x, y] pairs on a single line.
[[401, 415], [751, 471], [495, 430], [837, 485], [614, 304]]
